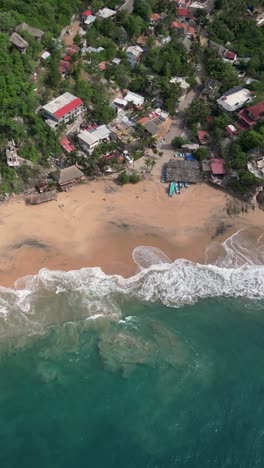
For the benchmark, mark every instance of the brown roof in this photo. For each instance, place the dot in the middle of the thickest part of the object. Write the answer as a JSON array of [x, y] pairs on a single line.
[[179, 170], [18, 41], [34, 31], [37, 198], [67, 175]]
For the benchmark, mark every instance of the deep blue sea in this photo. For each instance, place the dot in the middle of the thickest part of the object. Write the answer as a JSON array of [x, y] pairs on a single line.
[[161, 370]]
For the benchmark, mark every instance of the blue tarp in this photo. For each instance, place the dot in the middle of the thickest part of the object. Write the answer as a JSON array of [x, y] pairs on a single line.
[[190, 157]]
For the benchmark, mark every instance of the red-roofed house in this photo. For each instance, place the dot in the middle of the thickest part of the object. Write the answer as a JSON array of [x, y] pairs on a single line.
[[203, 137], [183, 28], [67, 145], [230, 56], [85, 15], [183, 12], [217, 166], [155, 17], [103, 65], [66, 58], [64, 67], [72, 50], [250, 116], [63, 108], [231, 130]]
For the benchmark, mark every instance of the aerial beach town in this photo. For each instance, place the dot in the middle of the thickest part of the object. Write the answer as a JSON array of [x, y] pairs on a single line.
[[129, 114], [131, 233]]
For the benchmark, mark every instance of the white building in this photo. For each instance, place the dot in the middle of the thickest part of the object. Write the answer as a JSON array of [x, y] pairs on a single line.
[[105, 13], [134, 98], [134, 54], [234, 99], [89, 139], [63, 108]]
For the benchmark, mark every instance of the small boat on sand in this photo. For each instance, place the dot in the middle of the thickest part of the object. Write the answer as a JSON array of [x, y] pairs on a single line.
[[177, 188], [171, 189]]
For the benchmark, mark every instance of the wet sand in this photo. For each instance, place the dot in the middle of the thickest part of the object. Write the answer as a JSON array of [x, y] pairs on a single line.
[[99, 224]]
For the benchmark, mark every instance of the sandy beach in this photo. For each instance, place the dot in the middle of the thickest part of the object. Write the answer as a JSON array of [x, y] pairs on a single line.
[[99, 224]]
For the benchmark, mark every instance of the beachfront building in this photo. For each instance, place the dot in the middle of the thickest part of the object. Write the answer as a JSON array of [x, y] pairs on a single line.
[[90, 138], [62, 109], [179, 170], [133, 54], [234, 99], [67, 177]]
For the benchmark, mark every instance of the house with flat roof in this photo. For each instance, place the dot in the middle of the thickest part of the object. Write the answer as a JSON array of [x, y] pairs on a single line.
[[90, 138], [134, 98], [105, 13], [134, 54], [234, 99], [251, 115], [63, 108]]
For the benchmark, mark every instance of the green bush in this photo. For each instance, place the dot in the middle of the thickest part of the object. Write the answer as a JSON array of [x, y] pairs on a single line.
[[126, 178]]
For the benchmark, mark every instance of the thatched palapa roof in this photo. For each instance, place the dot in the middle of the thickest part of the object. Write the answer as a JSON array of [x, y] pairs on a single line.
[[179, 170], [37, 33], [37, 198], [18, 41], [67, 175]]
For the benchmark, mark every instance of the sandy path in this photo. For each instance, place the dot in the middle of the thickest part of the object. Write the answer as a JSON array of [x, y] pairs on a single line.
[[99, 224]]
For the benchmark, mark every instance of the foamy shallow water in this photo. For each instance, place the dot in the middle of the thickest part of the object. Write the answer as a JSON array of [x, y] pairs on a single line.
[[236, 271]]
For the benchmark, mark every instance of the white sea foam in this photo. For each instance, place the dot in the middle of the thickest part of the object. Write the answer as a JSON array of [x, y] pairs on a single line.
[[237, 272]]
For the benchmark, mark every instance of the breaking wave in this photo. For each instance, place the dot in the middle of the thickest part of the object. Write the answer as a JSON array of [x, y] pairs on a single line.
[[234, 268]]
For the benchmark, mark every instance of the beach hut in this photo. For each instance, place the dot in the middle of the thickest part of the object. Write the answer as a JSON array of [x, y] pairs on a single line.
[[67, 177], [183, 171]]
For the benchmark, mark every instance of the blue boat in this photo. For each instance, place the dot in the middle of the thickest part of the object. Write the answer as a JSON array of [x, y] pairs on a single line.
[[171, 189]]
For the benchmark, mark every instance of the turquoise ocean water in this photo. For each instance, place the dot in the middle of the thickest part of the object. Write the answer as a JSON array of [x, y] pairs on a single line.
[[156, 371]]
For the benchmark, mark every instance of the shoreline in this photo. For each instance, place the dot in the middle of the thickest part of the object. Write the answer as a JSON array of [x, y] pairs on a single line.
[[99, 224]]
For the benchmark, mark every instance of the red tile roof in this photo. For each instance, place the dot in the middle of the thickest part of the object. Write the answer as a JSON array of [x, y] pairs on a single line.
[[68, 108], [67, 58], [217, 166], [155, 17], [203, 136], [103, 65], [182, 11], [87, 13], [230, 55], [64, 66], [257, 110], [67, 145], [245, 118], [188, 29]]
